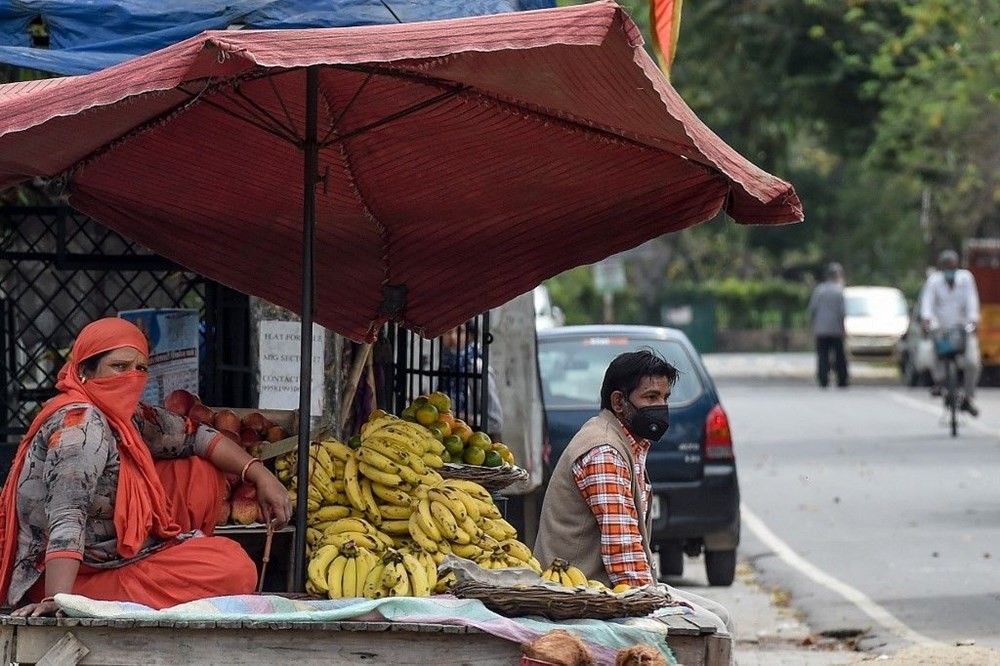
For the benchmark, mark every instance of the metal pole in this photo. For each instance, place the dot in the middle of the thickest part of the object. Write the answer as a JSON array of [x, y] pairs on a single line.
[[310, 176]]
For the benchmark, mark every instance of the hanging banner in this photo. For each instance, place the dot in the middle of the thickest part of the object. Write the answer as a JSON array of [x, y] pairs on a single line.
[[279, 345], [173, 349]]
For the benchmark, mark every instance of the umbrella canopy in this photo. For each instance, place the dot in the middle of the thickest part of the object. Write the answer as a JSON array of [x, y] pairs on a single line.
[[457, 163]]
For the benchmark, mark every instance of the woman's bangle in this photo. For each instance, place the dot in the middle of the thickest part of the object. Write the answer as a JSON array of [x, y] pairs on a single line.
[[47, 600], [243, 473]]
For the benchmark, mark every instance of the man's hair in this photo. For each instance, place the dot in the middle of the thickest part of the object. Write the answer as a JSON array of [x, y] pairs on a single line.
[[627, 371], [834, 270], [949, 257]]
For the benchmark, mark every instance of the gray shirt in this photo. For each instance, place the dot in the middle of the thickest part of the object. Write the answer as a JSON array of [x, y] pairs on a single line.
[[827, 309]]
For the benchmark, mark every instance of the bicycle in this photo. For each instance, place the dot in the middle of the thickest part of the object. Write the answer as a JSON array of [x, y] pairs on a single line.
[[949, 344]]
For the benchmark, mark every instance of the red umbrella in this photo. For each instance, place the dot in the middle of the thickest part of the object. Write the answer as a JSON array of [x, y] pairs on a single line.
[[421, 173]]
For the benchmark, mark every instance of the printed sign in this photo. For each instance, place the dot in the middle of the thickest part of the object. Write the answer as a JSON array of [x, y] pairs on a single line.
[[173, 350], [280, 347]]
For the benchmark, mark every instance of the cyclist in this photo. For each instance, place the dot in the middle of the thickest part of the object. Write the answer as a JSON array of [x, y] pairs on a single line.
[[950, 299]]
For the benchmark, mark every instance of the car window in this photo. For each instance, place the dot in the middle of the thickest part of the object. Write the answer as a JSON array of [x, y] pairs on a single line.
[[875, 303], [572, 369]]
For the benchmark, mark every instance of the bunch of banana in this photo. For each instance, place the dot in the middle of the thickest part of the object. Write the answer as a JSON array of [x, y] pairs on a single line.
[[479, 495], [388, 434], [327, 461], [564, 573], [519, 555], [357, 530], [397, 574], [339, 571]]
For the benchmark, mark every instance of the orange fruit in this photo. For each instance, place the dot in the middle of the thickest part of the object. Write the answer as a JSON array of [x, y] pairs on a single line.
[[409, 414], [462, 429], [440, 400], [473, 455], [454, 446], [443, 426], [507, 457], [480, 439], [447, 417], [426, 414], [436, 432], [492, 459], [445, 456], [419, 400]]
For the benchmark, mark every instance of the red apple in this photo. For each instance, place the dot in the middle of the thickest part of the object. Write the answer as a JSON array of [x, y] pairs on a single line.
[[202, 414], [227, 419], [180, 402], [254, 421], [231, 435], [275, 433], [249, 436]]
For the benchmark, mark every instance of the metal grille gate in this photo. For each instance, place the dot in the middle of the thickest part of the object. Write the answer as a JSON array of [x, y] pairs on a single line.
[[413, 366], [59, 270]]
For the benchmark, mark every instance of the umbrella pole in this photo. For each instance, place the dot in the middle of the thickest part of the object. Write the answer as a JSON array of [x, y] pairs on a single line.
[[310, 176]]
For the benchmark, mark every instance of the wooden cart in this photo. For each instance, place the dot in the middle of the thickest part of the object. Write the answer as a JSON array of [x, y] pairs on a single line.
[[70, 641]]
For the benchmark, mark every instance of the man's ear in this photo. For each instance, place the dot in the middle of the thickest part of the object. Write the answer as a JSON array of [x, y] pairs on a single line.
[[617, 402]]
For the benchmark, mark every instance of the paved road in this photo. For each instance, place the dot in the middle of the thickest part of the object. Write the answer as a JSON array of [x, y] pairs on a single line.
[[862, 509]]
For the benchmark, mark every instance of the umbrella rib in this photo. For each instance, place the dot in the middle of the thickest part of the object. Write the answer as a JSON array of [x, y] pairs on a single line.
[[357, 93], [397, 115], [682, 150]]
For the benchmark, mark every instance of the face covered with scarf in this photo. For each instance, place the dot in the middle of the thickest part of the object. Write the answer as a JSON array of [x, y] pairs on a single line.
[[109, 364]]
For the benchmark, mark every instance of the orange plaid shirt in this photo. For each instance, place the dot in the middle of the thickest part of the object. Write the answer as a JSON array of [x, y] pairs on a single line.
[[605, 481]]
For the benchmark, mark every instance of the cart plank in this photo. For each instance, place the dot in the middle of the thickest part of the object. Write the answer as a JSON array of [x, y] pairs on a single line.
[[243, 647]]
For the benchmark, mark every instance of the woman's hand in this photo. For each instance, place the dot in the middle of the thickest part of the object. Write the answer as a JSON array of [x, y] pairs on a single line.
[[272, 496], [44, 608]]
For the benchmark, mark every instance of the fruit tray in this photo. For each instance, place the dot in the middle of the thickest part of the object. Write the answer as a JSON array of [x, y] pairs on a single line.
[[564, 604], [520, 592], [491, 478]]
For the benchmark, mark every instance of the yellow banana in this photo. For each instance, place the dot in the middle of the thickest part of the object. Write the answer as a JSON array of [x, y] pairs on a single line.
[[366, 559], [379, 476], [318, 566], [337, 450], [397, 453], [469, 527], [431, 478], [360, 539], [373, 581], [564, 579], [394, 512], [449, 498], [313, 535], [327, 514], [313, 590], [352, 484], [392, 433], [389, 495], [350, 584], [421, 537], [516, 549], [371, 506], [535, 565], [367, 454], [470, 487], [335, 577], [490, 526], [426, 519], [419, 584], [507, 528], [321, 455], [353, 525], [445, 521], [469, 551], [409, 476], [403, 586], [576, 576], [432, 460], [396, 527], [461, 536]]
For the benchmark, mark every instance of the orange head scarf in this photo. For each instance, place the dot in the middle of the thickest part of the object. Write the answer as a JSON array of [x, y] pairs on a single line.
[[141, 504]]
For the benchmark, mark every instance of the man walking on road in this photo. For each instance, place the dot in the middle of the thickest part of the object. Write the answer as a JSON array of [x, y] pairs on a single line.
[[826, 313]]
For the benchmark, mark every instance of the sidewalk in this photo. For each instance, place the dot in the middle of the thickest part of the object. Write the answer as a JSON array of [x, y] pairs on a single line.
[[793, 366]]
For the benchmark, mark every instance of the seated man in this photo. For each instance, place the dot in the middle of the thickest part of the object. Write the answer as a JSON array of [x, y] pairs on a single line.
[[596, 508]]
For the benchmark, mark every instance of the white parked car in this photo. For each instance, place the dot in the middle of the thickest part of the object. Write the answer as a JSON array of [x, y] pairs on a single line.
[[877, 317]]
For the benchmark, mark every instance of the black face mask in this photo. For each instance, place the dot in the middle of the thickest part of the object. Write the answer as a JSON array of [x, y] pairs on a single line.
[[649, 422]]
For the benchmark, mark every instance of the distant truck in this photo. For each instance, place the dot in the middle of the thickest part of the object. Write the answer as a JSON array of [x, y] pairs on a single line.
[[982, 258]]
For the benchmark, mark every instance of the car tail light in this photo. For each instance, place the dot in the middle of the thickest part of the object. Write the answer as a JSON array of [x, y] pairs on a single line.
[[718, 438]]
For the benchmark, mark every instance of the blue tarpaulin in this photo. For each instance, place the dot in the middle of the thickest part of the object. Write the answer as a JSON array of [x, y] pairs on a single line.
[[89, 35]]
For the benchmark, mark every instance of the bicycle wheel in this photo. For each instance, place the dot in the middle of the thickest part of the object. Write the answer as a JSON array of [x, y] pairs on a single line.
[[951, 393]]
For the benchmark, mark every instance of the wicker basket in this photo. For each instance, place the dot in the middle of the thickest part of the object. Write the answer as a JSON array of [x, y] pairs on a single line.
[[564, 604], [491, 478], [521, 591]]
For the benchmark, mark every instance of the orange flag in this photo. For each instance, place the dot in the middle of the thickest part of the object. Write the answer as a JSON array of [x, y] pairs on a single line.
[[665, 24]]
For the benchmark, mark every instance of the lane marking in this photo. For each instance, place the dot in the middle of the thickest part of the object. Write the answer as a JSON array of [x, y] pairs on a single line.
[[882, 616], [938, 410]]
